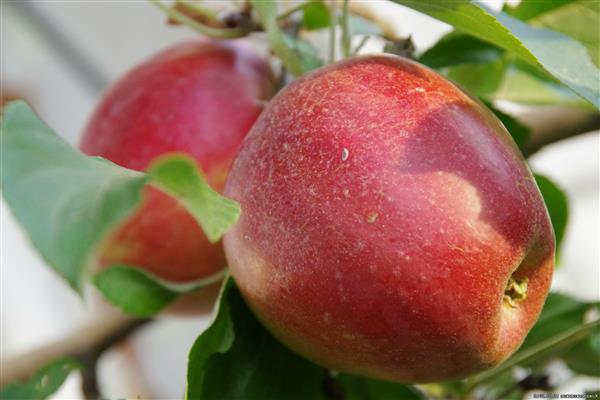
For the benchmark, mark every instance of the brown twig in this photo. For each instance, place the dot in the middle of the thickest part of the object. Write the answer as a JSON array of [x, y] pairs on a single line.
[[553, 124], [85, 345]]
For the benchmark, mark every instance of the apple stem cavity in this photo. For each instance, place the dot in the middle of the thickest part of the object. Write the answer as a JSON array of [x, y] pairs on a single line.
[[516, 291]]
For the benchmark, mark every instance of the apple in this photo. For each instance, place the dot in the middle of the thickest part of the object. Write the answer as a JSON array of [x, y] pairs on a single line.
[[390, 227], [198, 97]]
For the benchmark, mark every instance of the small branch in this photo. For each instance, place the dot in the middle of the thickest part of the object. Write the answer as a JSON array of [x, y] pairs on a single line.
[[218, 33], [332, 30], [204, 13], [545, 134], [85, 345], [360, 45], [345, 29]]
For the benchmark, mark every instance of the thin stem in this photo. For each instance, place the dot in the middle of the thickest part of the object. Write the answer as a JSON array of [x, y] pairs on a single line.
[[291, 11], [85, 345], [584, 124], [346, 29], [205, 30], [362, 43], [559, 341], [206, 13], [266, 14], [332, 30]]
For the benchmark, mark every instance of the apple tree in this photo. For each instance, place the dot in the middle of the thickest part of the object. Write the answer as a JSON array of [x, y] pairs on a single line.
[[361, 226]]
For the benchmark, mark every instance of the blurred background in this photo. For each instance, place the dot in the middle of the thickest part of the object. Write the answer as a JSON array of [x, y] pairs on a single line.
[[61, 55]]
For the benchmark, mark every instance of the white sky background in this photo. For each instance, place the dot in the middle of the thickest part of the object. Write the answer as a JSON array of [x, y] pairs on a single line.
[[37, 307]]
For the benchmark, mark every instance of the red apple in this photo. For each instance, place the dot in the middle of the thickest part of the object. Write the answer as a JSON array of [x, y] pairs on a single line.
[[197, 97], [390, 227]]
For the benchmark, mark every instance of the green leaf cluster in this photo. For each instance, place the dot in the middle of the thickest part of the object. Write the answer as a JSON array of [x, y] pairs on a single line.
[[552, 52], [512, 60], [68, 203]]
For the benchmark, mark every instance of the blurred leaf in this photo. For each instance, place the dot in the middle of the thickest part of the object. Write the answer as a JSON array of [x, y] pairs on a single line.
[[179, 176], [579, 19], [133, 291], [357, 388], [236, 358], [67, 202], [316, 15], [498, 81], [43, 383], [481, 80], [458, 48], [563, 57], [584, 357], [560, 313], [519, 132], [528, 9], [309, 55], [558, 206], [523, 87], [267, 13]]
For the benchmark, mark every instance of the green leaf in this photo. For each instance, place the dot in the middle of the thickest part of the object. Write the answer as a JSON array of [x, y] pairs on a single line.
[[236, 358], [316, 15], [584, 357], [481, 80], [267, 13], [179, 176], [458, 48], [519, 132], [558, 206], [578, 19], [65, 201], [133, 291], [43, 383], [528, 9], [564, 58], [521, 86], [357, 388], [68, 202], [142, 294]]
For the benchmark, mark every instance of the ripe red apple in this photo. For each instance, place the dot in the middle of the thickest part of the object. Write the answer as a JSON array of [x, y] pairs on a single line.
[[197, 97], [390, 227]]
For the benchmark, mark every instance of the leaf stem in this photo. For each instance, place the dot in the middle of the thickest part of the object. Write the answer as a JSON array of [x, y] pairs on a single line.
[[198, 27], [346, 29], [195, 8], [333, 20], [291, 11], [564, 339], [363, 41], [266, 10]]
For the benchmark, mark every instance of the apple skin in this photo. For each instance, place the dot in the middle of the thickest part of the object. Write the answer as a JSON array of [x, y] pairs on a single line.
[[198, 97], [383, 213]]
